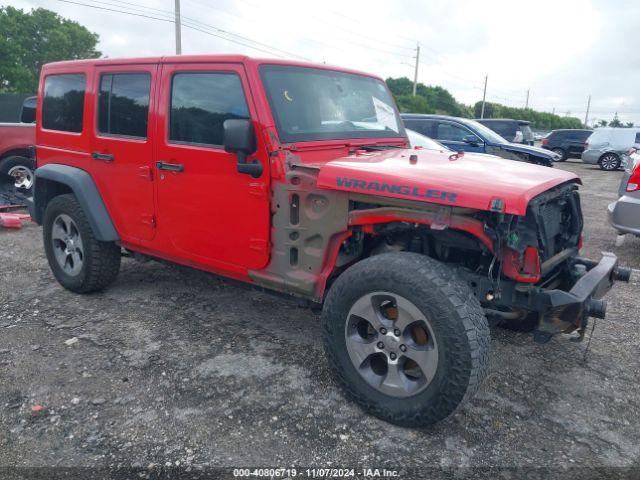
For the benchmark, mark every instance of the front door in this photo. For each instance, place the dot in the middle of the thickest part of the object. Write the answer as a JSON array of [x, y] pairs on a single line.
[[452, 135], [122, 153], [207, 211]]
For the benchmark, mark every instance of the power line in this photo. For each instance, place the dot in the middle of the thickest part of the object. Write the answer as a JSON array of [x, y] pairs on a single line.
[[205, 25], [368, 46], [188, 25]]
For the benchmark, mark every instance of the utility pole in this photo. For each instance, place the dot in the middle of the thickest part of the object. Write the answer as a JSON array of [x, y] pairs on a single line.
[[553, 112], [178, 29], [526, 105], [586, 116], [415, 75], [484, 95]]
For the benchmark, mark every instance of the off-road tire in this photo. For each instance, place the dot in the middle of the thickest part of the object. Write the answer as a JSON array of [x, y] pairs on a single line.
[[561, 152], [8, 163], [457, 320], [101, 262], [609, 166]]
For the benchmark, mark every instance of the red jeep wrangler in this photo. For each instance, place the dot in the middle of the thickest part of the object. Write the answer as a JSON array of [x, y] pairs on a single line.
[[297, 178]]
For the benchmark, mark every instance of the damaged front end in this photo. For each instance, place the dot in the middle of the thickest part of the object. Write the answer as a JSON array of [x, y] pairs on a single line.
[[538, 274]]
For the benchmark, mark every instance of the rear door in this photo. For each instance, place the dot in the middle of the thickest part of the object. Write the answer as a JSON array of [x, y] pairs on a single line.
[[452, 135], [207, 211], [122, 152], [575, 141]]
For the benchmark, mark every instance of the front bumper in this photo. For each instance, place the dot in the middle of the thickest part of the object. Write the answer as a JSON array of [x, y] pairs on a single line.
[[560, 309], [624, 214], [571, 292]]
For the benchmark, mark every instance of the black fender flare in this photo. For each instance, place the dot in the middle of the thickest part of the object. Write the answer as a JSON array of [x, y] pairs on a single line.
[[48, 179]]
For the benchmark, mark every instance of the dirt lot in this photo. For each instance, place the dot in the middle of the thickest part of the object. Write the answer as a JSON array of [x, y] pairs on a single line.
[[174, 365]]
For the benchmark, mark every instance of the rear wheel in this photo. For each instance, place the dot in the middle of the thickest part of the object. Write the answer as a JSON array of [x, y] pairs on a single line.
[[79, 261], [408, 341], [21, 170], [609, 162], [561, 152]]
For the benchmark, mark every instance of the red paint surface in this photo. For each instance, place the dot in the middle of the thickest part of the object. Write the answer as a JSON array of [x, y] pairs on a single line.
[[474, 180], [15, 136]]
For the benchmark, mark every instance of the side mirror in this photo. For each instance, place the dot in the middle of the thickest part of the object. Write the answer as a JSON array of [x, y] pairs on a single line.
[[28, 111], [471, 140], [240, 138]]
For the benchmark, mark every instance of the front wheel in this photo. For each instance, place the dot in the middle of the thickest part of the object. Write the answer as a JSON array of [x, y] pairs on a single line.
[[407, 339], [609, 162]]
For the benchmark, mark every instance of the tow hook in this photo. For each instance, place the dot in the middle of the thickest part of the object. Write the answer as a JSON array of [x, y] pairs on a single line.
[[622, 274], [597, 308]]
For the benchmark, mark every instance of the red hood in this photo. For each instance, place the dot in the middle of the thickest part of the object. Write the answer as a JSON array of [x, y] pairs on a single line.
[[471, 181]]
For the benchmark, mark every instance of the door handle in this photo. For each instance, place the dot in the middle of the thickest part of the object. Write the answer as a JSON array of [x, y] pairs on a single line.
[[174, 167], [105, 157]]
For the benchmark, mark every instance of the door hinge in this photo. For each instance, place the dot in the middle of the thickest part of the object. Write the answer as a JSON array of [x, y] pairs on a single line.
[[149, 220], [258, 244], [145, 172]]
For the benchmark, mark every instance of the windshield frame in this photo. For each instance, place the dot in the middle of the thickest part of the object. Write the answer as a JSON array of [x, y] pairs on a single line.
[[288, 137]]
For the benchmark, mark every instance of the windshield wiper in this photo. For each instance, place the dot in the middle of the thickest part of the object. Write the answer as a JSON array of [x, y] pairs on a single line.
[[377, 148]]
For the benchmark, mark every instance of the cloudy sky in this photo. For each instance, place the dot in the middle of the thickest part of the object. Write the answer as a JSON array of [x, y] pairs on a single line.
[[562, 51]]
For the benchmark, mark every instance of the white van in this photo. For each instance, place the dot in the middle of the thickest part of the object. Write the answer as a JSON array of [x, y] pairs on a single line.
[[608, 146]]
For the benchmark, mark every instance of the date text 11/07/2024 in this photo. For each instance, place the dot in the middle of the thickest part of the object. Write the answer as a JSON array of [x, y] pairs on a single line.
[[286, 473]]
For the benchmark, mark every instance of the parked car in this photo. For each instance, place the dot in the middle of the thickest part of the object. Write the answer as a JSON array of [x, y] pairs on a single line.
[[566, 142], [17, 155], [607, 146], [406, 249], [515, 131], [624, 213], [470, 136]]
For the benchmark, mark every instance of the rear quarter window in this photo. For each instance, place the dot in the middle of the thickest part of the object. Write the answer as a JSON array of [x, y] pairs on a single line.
[[63, 102]]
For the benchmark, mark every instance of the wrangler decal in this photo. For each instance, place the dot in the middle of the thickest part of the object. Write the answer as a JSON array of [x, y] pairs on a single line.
[[406, 190]]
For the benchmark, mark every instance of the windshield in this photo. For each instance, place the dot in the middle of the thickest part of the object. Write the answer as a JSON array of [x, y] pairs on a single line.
[[315, 104], [418, 140], [486, 132]]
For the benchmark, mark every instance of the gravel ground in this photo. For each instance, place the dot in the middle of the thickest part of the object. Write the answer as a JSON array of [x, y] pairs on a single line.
[[175, 366]]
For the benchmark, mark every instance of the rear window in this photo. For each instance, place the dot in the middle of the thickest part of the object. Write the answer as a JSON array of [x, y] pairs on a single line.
[[200, 103], [504, 129], [63, 102], [123, 104]]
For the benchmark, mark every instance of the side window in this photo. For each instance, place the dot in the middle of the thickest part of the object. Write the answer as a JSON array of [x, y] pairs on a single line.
[[200, 103], [451, 133], [63, 103], [123, 104], [637, 137]]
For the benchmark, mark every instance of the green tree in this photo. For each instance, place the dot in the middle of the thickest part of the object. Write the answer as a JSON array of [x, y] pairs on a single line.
[[29, 40], [616, 121], [601, 123]]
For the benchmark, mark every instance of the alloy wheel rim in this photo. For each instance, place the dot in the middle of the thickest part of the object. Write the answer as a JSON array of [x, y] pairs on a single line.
[[67, 244], [23, 176], [391, 344], [609, 162]]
